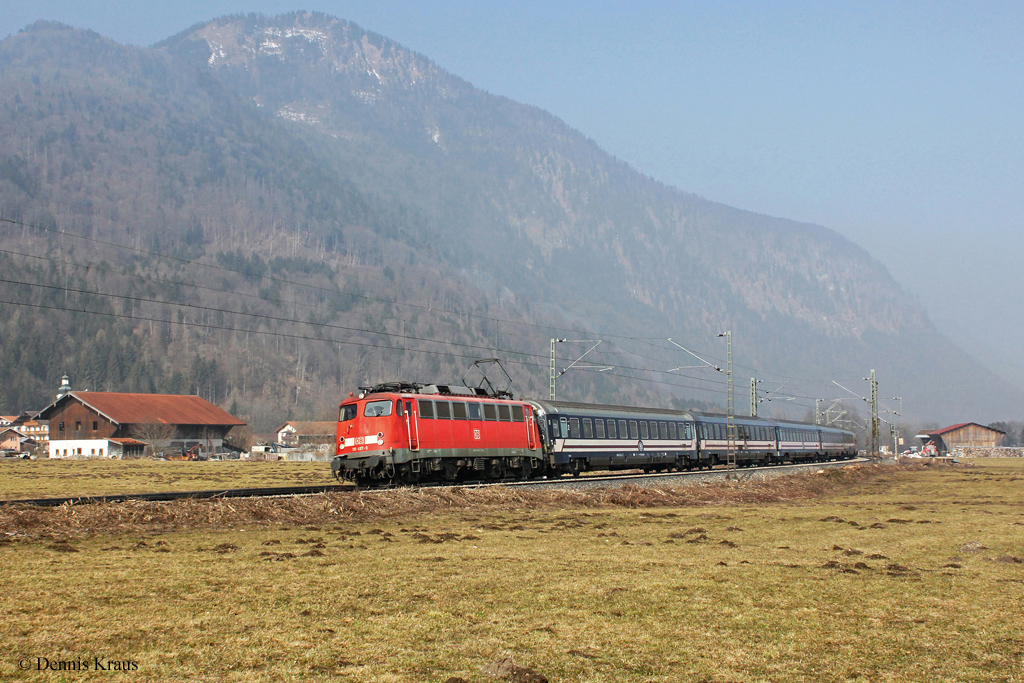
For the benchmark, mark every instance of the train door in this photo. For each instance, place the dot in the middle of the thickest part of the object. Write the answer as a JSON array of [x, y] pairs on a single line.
[[531, 434], [412, 424]]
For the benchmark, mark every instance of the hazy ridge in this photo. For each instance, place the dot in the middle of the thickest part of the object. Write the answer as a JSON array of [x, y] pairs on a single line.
[[371, 174]]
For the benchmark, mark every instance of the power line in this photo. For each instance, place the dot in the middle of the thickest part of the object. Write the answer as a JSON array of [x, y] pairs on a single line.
[[212, 326], [179, 259], [429, 308]]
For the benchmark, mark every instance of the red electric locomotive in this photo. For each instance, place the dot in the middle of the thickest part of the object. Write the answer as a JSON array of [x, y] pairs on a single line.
[[409, 433]]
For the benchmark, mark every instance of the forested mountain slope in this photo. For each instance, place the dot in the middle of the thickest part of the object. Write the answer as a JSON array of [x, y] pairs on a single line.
[[304, 148]]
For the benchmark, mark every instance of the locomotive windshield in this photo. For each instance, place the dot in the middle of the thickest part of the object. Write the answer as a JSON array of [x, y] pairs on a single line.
[[347, 413], [377, 409]]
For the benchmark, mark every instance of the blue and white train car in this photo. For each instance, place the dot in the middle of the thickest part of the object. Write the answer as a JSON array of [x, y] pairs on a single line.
[[581, 436], [755, 439]]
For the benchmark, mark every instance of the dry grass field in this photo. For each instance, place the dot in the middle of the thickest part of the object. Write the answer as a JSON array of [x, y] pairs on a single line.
[[876, 574], [21, 479]]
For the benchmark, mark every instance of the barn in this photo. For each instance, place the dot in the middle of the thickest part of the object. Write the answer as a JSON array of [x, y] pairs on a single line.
[[115, 425], [958, 436]]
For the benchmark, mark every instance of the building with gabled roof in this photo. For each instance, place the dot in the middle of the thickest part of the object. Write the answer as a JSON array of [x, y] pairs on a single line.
[[12, 440], [295, 433], [962, 435], [115, 425]]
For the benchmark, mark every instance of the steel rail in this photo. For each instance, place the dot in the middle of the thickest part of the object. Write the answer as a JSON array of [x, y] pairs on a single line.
[[595, 481]]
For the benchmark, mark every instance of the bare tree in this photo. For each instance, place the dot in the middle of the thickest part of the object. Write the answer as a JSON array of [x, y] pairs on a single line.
[[152, 433], [241, 438]]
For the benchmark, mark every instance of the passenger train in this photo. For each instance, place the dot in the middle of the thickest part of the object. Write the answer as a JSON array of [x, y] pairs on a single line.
[[406, 434]]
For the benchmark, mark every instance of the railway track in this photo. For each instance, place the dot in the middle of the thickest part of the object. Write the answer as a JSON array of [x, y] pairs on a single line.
[[597, 481]]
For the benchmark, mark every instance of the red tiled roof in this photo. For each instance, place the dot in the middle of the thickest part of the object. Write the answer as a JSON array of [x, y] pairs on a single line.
[[128, 442], [126, 409], [953, 428]]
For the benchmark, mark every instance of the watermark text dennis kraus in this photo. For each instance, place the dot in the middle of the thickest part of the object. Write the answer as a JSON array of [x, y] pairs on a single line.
[[79, 664]]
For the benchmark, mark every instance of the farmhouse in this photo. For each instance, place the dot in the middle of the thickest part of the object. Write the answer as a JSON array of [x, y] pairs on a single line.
[[31, 425], [963, 435], [14, 441], [115, 425], [297, 434]]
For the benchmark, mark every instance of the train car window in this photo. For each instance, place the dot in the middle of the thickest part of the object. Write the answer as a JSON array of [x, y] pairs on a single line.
[[347, 413], [503, 413], [377, 409], [564, 425], [474, 411], [490, 411], [459, 410], [426, 408], [623, 434], [599, 428], [672, 431], [644, 434], [574, 428], [443, 410], [633, 432], [611, 429], [398, 408], [663, 428], [517, 414], [588, 429]]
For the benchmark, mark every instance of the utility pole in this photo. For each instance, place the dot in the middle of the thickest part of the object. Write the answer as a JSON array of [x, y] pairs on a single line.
[[730, 457], [551, 387], [899, 425], [753, 397], [874, 416], [817, 411]]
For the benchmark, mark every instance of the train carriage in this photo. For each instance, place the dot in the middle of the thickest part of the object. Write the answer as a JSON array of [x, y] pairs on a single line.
[[583, 436], [755, 442], [837, 443]]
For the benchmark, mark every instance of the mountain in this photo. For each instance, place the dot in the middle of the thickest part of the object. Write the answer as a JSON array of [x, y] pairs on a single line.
[[355, 174]]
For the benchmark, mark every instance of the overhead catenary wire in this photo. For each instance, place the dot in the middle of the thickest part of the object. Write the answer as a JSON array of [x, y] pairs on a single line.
[[334, 291], [278, 319], [286, 335]]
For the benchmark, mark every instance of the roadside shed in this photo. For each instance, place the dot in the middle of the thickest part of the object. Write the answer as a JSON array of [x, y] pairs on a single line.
[[959, 436]]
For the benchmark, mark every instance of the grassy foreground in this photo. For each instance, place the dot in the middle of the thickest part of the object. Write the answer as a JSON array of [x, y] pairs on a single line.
[[20, 479], [895, 575]]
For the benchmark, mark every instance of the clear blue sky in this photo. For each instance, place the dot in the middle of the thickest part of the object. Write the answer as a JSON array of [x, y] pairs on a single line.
[[899, 125]]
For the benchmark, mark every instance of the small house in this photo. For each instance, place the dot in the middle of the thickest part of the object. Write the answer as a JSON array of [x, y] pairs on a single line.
[[304, 434]]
